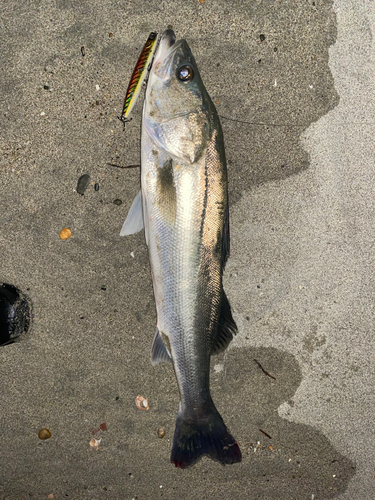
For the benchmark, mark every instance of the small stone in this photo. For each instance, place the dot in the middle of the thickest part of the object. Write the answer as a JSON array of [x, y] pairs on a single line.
[[65, 233], [96, 187], [46, 87], [161, 432], [262, 37], [44, 434], [83, 183], [117, 202]]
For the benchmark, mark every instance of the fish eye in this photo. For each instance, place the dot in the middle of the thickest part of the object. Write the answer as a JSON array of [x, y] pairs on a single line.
[[185, 73]]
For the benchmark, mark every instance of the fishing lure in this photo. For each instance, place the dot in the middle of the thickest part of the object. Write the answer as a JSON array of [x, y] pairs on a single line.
[[139, 74]]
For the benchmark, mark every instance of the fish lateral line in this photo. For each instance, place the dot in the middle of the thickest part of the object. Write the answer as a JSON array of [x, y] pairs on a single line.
[[261, 124]]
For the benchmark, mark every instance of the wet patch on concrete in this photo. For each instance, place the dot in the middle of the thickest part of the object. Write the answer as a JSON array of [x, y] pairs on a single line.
[[281, 459], [282, 86]]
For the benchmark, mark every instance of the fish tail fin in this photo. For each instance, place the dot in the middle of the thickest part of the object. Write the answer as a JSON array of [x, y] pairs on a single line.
[[206, 435]]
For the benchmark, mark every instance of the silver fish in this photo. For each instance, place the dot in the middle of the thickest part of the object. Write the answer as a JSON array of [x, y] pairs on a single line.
[[183, 205]]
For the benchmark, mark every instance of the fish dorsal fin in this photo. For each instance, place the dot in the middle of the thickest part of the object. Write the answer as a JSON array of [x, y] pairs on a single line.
[[159, 353], [226, 329], [226, 240], [134, 221]]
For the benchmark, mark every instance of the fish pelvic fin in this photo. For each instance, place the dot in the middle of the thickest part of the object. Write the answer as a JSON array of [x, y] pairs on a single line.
[[206, 435], [134, 221], [159, 353], [226, 329]]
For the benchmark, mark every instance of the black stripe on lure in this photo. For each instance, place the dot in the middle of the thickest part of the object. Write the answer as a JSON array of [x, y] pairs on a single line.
[[140, 72]]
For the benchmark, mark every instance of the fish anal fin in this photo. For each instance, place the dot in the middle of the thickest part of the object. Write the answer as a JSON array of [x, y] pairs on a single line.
[[226, 329], [134, 221], [159, 353]]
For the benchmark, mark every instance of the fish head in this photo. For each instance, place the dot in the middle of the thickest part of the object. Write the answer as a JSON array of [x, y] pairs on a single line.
[[178, 112]]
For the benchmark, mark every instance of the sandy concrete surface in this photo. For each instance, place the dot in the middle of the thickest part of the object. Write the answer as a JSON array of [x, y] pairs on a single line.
[[298, 115]]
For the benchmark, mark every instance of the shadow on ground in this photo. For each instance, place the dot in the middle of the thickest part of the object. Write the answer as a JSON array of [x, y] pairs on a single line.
[[295, 461]]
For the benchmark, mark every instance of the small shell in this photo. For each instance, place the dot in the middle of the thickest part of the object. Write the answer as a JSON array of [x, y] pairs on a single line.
[[141, 403], [95, 443], [161, 432], [65, 234], [44, 434]]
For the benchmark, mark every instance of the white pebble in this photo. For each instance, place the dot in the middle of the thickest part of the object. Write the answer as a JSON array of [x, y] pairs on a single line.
[[132, 254], [218, 368], [97, 87]]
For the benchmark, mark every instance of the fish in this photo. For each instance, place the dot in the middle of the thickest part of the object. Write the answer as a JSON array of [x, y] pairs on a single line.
[[183, 207], [139, 74]]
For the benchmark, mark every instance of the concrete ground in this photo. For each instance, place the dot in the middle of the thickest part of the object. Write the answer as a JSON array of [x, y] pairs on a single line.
[[297, 107]]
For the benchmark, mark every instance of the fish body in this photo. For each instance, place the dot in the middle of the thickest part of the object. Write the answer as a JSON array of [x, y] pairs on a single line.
[[185, 213]]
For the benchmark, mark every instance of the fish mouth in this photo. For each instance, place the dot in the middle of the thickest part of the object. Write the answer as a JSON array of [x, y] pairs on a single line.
[[166, 46], [168, 38]]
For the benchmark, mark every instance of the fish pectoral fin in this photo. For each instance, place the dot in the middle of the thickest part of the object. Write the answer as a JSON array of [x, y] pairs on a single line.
[[227, 327], [134, 221], [159, 353]]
